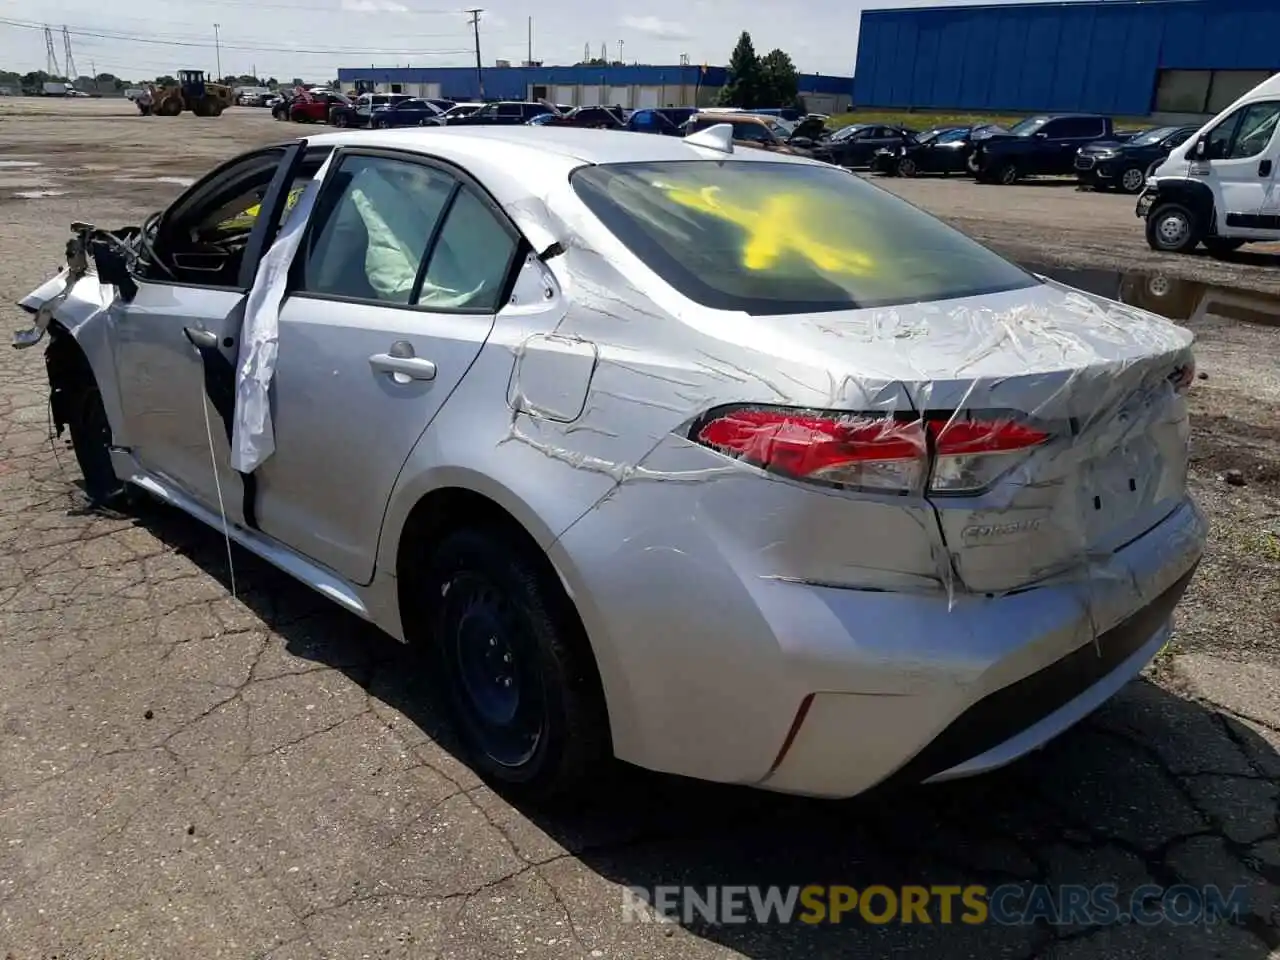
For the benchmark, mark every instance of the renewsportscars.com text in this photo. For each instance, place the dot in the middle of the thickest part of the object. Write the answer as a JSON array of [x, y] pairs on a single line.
[[972, 905]]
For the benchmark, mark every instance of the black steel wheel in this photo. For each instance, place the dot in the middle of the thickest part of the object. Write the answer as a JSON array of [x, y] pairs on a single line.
[[515, 668]]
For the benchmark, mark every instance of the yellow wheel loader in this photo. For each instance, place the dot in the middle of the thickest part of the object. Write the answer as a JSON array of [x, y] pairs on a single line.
[[193, 93]]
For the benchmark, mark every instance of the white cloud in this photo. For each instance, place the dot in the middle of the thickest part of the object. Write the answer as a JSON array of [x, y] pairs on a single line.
[[374, 6], [657, 27]]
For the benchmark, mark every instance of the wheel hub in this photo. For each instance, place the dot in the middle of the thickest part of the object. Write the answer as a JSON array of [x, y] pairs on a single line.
[[1173, 228], [1132, 180], [497, 686]]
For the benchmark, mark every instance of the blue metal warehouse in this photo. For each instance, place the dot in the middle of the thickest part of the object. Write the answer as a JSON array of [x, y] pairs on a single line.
[[1121, 57], [637, 86]]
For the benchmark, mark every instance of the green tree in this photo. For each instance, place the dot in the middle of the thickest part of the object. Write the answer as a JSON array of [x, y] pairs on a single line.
[[743, 87], [779, 80], [298, 82], [165, 81]]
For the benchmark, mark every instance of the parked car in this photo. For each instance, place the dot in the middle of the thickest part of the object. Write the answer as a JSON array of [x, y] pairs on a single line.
[[1218, 187], [749, 129], [856, 144], [315, 107], [501, 113], [667, 121], [461, 110], [406, 113], [596, 118], [940, 150], [356, 113], [1107, 165], [1038, 146], [615, 501]]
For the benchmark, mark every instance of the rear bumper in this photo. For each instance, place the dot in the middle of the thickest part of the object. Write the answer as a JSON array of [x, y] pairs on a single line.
[[1053, 672], [709, 683]]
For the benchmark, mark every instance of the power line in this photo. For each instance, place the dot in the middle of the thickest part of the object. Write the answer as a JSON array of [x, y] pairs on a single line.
[[270, 48]]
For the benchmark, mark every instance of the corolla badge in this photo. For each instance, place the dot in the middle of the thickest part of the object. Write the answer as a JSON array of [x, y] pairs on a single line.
[[996, 531]]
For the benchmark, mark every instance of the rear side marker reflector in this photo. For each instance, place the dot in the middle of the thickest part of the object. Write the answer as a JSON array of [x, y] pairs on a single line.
[[870, 451]]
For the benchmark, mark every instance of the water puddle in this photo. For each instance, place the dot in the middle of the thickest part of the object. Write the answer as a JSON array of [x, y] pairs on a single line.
[[9, 164], [1169, 296], [38, 194]]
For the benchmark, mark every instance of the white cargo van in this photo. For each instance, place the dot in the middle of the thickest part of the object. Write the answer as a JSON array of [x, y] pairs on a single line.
[[1222, 186]]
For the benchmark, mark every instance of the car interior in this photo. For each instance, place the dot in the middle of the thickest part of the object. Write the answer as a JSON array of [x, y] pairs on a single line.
[[201, 238]]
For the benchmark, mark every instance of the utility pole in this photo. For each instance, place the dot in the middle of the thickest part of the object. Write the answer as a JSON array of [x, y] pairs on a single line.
[[475, 25], [68, 60], [93, 68], [529, 56], [619, 51], [50, 58], [217, 45]]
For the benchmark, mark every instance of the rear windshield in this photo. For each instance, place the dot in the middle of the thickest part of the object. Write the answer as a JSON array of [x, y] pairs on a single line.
[[779, 238]]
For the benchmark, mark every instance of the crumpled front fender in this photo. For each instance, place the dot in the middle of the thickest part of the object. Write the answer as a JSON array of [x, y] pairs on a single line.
[[85, 299]]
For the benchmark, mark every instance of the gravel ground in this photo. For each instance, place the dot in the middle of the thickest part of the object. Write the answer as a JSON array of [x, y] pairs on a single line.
[[187, 774]]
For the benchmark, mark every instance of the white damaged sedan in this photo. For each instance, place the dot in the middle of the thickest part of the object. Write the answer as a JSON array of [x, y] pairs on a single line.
[[724, 463]]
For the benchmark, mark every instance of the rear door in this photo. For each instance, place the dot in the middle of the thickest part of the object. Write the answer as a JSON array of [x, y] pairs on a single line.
[[393, 294]]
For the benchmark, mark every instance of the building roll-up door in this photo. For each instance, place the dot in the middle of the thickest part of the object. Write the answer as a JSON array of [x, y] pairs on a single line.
[[590, 96], [619, 97], [565, 95], [649, 97]]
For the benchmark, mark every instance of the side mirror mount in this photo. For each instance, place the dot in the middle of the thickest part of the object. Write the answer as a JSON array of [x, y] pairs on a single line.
[[800, 142], [113, 269], [1042, 136], [1201, 150]]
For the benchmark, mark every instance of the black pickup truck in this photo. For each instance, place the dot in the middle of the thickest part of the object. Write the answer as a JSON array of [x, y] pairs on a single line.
[[502, 112], [1045, 145]]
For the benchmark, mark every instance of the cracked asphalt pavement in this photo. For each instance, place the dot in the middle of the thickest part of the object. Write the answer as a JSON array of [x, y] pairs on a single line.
[[188, 773]]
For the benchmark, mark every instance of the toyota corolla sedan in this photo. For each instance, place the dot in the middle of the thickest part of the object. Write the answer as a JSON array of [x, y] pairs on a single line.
[[718, 461]]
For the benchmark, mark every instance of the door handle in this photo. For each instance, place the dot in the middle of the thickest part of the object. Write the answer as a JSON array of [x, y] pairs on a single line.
[[1264, 168], [201, 338], [416, 368]]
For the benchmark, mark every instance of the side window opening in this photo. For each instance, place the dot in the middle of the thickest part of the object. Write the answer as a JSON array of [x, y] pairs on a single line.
[[206, 244], [470, 260], [398, 232], [1256, 129], [1218, 141], [373, 236]]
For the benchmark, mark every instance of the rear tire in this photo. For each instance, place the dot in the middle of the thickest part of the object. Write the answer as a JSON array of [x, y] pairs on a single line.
[[515, 667], [907, 167], [1009, 175], [1171, 228], [340, 120]]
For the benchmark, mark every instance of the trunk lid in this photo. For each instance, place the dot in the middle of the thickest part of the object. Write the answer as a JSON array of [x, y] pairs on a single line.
[[1100, 380]]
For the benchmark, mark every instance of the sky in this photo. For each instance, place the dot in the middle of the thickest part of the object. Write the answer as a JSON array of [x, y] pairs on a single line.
[[312, 38]]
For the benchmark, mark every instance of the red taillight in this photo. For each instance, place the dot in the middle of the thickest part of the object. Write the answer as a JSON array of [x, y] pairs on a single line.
[[870, 451]]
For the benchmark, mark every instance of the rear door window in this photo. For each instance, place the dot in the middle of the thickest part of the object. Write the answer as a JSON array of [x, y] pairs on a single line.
[[778, 238], [375, 223]]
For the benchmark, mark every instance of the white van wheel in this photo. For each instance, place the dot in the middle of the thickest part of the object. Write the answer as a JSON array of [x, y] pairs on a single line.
[[1172, 229]]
